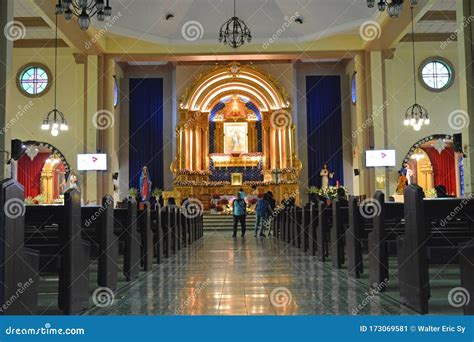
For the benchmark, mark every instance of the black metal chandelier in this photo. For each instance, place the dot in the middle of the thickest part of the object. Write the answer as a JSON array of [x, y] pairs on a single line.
[[235, 32], [415, 115], [84, 10], [55, 119], [393, 7]]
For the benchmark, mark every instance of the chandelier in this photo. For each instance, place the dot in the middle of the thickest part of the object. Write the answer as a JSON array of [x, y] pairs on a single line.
[[415, 115], [418, 155], [84, 10], [55, 119], [234, 32], [394, 7]]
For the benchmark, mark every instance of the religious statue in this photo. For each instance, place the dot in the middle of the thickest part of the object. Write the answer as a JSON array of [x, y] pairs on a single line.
[[325, 175], [72, 182], [145, 184], [401, 182], [409, 175]]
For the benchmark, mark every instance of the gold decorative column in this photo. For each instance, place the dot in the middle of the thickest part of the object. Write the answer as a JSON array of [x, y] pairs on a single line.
[[205, 155]]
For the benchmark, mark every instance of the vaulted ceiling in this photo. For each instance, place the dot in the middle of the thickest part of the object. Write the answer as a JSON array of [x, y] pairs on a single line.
[[326, 23]]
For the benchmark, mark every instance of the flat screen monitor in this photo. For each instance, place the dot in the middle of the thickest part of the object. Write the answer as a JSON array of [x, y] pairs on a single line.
[[379, 158], [92, 162]]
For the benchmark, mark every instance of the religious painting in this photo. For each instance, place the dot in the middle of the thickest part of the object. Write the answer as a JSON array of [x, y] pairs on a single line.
[[236, 179], [235, 137]]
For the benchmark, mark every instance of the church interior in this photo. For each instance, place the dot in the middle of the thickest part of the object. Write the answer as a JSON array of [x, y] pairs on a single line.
[[236, 157]]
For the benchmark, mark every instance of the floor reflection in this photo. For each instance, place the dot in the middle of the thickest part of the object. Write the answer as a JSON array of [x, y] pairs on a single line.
[[221, 275]]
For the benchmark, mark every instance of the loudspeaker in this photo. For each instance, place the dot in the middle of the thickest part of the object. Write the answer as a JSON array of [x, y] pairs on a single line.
[[356, 172], [18, 149], [457, 142]]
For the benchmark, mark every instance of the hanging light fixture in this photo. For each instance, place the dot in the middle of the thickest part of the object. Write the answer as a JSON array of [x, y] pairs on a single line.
[[55, 120], [234, 32], [84, 10], [417, 155], [415, 115], [393, 7]]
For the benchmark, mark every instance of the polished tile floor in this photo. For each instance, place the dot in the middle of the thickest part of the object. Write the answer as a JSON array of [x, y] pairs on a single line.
[[220, 275]]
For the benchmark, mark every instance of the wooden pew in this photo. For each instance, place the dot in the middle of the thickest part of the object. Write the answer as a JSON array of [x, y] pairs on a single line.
[[441, 225], [340, 218], [322, 231], [98, 230], [73, 295], [298, 224], [312, 227], [167, 223], [354, 236], [131, 264], [158, 238], [56, 232], [466, 264], [145, 229], [382, 213], [305, 223], [18, 264]]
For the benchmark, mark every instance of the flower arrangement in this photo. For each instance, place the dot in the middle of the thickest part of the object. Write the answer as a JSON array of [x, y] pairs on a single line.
[[252, 200], [220, 209], [431, 193], [224, 201], [133, 192], [212, 206], [216, 196], [157, 193], [29, 201], [40, 199], [329, 192]]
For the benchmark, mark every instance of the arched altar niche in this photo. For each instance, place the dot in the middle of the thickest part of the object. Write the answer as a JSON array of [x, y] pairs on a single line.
[[433, 162], [235, 123], [42, 171]]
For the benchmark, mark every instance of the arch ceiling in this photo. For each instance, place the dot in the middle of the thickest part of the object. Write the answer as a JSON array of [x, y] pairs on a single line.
[[234, 79]]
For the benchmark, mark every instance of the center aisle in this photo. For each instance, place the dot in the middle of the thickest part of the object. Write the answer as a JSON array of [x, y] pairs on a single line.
[[221, 275]]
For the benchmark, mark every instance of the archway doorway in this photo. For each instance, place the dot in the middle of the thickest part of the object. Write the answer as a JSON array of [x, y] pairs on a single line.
[[432, 161], [43, 171]]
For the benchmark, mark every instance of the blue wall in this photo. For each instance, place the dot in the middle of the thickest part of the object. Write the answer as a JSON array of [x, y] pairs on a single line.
[[324, 122], [146, 130]]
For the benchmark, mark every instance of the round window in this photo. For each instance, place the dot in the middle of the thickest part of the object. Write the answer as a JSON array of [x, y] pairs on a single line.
[[34, 80], [436, 74]]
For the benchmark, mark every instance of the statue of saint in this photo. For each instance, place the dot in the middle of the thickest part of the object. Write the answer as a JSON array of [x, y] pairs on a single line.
[[409, 175], [145, 185], [72, 182], [401, 183], [325, 175]]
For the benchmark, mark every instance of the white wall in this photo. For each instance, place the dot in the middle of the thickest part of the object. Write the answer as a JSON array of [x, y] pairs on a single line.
[[69, 100], [400, 96]]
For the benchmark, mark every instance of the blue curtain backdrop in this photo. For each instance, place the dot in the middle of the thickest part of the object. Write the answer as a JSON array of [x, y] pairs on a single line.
[[323, 105], [146, 130]]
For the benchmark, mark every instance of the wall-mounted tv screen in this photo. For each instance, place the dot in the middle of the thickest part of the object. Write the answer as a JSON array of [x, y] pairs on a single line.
[[379, 158], [92, 162]]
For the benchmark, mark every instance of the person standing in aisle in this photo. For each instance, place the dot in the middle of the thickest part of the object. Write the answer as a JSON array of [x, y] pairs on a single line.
[[240, 212]]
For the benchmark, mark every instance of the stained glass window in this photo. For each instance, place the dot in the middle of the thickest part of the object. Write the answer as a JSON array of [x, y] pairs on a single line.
[[34, 80], [116, 93], [353, 89], [436, 74]]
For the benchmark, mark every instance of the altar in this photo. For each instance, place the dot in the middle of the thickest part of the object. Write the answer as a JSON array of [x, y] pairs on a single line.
[[235, 130]]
